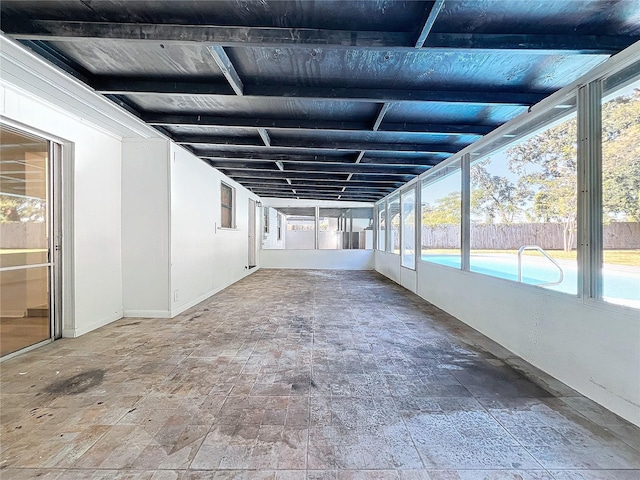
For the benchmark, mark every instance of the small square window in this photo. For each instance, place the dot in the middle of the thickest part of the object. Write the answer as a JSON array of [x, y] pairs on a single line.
[[227, 195]]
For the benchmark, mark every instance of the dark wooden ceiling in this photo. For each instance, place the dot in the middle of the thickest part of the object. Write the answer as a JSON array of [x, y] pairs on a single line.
[[324, 99]]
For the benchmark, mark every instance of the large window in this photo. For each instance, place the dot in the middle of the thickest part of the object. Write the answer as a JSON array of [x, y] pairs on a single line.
[[393, 243], [441, 217], [272, 237], [524, 208], [409, 228], [621, 195], [227, 206], [548, 202], [345, 228], [300, 228], [382, 222], [338, 228]]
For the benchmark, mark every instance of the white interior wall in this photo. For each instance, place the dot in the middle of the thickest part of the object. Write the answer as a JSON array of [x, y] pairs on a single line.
[[145, 227], [595, 349], [204, 257]]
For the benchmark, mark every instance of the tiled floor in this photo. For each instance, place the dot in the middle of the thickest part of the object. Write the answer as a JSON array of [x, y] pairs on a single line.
[[300, 375]]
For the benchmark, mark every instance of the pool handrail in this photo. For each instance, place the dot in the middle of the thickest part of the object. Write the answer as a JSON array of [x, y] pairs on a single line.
[[541, 250]]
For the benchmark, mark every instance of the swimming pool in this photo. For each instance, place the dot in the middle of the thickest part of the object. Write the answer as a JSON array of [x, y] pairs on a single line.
[[620, 284]]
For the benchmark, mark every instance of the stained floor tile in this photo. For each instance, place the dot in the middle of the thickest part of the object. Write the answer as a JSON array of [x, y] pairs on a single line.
[[300, 375]]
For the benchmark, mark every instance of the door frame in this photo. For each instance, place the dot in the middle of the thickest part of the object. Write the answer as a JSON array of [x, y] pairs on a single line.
[[60, 190], [252, 259]]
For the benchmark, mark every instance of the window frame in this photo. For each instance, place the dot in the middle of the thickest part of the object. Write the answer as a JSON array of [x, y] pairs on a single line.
[[408, 192], [429, 180], [388, 243], [230, 207]]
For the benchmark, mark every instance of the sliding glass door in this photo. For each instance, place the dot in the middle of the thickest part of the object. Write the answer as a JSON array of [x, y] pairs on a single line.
[[26, 233]]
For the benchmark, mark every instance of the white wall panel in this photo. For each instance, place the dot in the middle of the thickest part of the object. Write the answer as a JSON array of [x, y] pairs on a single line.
[[318, 259], [408, 279], [97, 265], [592, 349], [388, 265], [204, 257], [145, 227]]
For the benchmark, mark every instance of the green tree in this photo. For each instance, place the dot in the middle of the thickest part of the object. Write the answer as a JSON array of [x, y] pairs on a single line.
[[621, 158], [547, 165], [496, 197], [446, 211]]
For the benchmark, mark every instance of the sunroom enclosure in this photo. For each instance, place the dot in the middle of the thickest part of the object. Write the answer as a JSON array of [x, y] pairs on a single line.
[[548, 200]]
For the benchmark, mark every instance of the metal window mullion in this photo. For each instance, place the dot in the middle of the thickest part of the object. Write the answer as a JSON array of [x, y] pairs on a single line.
[[375, 226], [387, 228], [418, 224], [590, 190], [401, 231], [465, 211], [317, 228]]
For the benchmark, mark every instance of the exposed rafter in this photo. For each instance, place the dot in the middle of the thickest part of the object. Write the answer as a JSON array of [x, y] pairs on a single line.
[[223, 35], [228, 70], [388, 187], [334, 191], [323, 177], [428, 24], [382, 162], [352, 107], [400, 158], [381, 113], [276, 124], [63, 30], [363, 168], [316, 196], [338, 171], [264, 135], [109, 85], [302, 145]]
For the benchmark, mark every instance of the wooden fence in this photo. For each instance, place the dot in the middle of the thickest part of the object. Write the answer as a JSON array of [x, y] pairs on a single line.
[[550, 236]]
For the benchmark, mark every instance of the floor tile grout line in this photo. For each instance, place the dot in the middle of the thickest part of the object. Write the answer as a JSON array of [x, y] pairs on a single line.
[[353, 338], [313, 342], [513, 436]]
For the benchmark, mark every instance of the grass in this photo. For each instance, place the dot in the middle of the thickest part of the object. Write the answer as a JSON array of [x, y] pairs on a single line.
[[613, 257]]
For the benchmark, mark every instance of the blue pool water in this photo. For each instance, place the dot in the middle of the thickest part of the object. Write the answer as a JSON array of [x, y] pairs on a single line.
[[620, 284]]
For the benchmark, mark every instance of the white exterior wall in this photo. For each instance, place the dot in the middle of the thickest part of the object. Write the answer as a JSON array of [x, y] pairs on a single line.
[[592, 347], [142, 210], [96, 256], [388, 265], [204, 257], [145, 227], [318, 259]]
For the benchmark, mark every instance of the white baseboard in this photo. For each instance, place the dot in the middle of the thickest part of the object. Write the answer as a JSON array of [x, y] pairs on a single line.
[[178, 310], [148, 313], [76, 332]]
